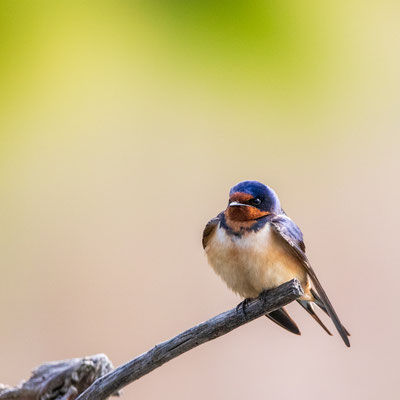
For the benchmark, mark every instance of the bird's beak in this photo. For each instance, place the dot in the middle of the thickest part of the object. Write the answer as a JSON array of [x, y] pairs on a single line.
[[237, 204]]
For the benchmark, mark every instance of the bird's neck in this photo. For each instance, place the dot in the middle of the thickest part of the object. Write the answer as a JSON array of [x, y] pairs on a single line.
[[242, 227]]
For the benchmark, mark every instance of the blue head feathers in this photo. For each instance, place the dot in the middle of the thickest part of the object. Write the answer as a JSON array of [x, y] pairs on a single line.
[[259, 195]]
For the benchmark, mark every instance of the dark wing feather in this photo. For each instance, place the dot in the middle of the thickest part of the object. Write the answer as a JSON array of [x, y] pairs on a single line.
[[288, 231], [307, 305], [209, 229], [321, 305]]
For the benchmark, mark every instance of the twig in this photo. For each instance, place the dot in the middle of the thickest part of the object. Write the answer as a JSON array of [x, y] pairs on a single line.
[[193, 337], [60, 380]]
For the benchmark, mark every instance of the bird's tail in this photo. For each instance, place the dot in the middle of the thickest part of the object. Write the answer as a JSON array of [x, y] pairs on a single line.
[[307, 305], [321, 305], [283, 319]]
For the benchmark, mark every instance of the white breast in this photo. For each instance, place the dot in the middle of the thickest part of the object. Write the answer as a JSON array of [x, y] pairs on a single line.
[[252, 263]]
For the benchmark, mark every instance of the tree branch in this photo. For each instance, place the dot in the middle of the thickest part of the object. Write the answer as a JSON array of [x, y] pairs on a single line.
[[213, 328], [60, 380], [93, 378]]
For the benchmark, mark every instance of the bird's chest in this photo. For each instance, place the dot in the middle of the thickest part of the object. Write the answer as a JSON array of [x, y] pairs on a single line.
[[250, 263]]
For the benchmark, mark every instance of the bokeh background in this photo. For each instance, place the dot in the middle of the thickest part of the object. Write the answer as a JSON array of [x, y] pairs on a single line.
[[123, 124]]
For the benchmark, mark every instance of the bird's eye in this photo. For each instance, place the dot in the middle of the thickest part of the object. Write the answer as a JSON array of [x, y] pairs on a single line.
[[256, 201]]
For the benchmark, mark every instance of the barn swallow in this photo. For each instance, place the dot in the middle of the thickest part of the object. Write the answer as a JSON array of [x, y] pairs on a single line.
[[254, 246]]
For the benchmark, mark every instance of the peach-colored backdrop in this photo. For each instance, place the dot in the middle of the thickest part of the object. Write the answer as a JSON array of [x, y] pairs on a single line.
[[122, 129]]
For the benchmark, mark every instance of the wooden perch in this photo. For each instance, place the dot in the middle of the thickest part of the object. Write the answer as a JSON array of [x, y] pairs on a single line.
[[213, 328], [60, 380], [92, 378]]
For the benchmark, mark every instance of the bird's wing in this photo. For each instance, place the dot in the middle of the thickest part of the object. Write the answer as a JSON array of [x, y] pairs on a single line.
[[290, 234], [209, 229]]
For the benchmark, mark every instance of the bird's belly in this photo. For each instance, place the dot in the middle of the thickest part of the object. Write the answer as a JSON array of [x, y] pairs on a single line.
[[254, 262]]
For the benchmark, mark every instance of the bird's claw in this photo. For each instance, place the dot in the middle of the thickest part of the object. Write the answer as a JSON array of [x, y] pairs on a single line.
[[264, 294], [242, 307]]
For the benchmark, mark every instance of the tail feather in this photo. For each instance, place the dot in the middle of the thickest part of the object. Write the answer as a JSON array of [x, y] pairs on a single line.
[[321, 305], [329, 308], [283, 319], [307, 305]]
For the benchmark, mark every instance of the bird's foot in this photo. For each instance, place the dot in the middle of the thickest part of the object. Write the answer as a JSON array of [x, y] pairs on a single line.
[[241, 308], [263, 295]]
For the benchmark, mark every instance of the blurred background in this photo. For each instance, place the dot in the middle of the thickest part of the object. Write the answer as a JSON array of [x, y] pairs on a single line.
[[123, 125]]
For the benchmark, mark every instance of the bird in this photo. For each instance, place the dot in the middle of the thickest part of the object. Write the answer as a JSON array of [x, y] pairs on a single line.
[[254, 246]]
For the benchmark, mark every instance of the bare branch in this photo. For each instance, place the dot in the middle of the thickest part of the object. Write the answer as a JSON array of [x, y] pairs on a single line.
[[60, 380], [213, 328], [93, 378]]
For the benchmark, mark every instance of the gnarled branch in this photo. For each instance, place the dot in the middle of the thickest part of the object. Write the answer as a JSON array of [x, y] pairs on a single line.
[[60, 380], [213, 328], [93, 378]]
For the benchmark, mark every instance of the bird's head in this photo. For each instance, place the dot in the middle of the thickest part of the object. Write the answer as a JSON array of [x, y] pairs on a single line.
[[250, 200]]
